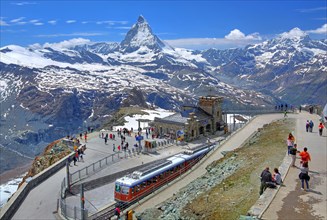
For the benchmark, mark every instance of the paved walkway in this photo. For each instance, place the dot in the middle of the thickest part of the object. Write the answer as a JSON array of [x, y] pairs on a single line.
[[291, 202], [42, 201]]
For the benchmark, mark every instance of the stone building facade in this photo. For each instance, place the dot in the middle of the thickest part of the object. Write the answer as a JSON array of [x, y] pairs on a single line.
[[192, 121]]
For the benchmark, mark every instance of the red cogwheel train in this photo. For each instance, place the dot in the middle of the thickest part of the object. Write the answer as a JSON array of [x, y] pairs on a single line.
[[138, 184]]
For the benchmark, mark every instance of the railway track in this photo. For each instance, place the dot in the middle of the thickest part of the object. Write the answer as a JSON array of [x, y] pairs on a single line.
[[109, 212]]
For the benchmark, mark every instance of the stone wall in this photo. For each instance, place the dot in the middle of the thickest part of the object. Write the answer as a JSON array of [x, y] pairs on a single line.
[[168, 128]]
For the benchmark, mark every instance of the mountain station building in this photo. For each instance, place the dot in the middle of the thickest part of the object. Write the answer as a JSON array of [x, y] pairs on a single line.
[[193, 121]]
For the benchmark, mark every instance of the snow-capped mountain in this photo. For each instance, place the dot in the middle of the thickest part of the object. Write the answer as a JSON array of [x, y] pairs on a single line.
[[53, 90], [140, 35], [291, 62]]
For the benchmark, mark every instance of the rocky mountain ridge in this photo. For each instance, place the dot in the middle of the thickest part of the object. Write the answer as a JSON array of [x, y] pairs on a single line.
[[50, 91], [291, 62]]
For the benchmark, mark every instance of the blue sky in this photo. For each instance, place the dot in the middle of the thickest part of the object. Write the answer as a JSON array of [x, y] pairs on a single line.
[[190, 24]]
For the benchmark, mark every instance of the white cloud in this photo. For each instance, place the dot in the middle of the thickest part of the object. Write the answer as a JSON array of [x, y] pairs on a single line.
[[234, 39], [122, 28], [21, 23], [308, 10], [294, 33], [112, 22], [53, 22], [23, 3], [34, 21], [321, 30], [38, 23], [85, 22], [12, 31], [35, 46], [70, 21], [66, 43], [238, 35], [77, 34], [17, 20], [3, 23]]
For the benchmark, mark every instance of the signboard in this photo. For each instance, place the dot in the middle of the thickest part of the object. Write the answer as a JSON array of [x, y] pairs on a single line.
[[180, 135]]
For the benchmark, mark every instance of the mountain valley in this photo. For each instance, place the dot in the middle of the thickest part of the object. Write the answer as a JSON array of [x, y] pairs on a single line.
[[48, 92]]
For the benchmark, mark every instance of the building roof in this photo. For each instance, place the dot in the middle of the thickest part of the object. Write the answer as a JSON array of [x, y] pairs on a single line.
[[181, 117]]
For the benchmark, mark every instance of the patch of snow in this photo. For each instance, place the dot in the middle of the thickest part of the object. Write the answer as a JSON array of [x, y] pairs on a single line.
[[21, 105], [317, 51], [132, 123], [9, 188], [92, 114]]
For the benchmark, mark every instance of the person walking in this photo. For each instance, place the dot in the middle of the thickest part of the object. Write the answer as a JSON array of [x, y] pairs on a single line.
[[117, 212], [265, 178], [81, 156], [113, 147], [74, 159], [77, 155], [290, 142], [321, 128], [311, 124], [307, 125], [85, 136], [285, 113], [305, 156], [304, 175], [293, 152]]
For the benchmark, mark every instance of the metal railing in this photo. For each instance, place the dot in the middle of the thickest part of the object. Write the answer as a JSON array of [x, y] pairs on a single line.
[[72, 212], [94, 167], [63, 188], [177, 174]]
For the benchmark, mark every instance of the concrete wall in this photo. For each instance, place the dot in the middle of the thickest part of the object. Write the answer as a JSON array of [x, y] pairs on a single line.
[[10, 208]]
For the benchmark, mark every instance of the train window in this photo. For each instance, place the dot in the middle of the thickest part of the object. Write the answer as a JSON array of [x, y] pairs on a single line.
[[148, 182], [161, 176], [143, 185], [117, 188], [124, 189], [133, 188]]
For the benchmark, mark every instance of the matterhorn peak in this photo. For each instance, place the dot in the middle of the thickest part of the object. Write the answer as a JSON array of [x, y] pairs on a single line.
[[141, 19], [140, 35]]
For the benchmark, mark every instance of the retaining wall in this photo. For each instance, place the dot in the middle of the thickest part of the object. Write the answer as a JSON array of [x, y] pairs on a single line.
[[10, 208]]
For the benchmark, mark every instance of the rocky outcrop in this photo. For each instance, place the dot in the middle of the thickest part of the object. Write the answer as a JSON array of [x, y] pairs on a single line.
[[51, 154], [216, 173]]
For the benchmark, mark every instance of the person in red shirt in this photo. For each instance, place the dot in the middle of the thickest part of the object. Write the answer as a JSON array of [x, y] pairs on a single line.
[[305, 156], [85, 136], [320, 127], [117, 212]]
